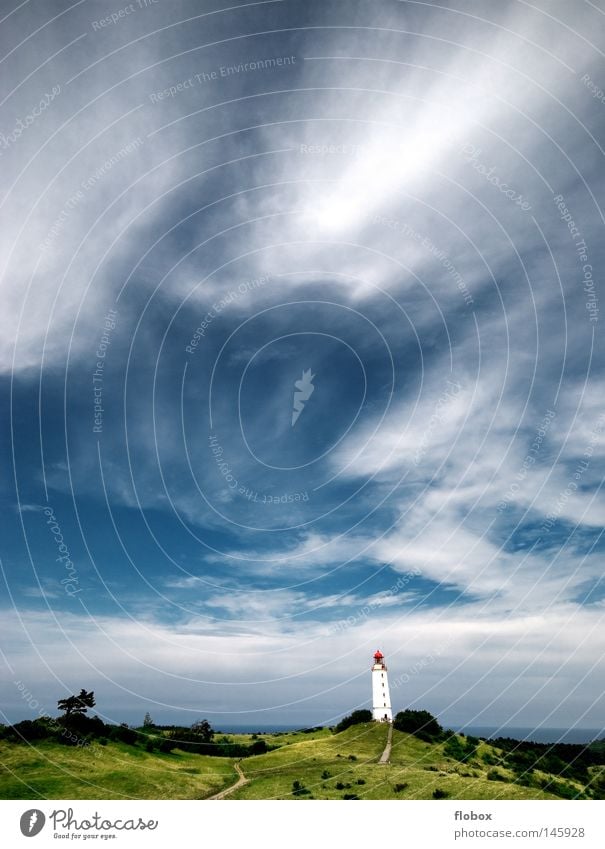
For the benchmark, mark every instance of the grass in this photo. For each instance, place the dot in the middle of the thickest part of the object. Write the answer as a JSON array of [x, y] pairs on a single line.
[[115, 771], [318, 765], [422, 768]]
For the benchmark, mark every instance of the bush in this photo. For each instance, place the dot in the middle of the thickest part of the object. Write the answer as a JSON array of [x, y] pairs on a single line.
[[298, 789], [355, 718], [350, 796], [360, 781], [564, 790], [79, 725], [494, 775], [399, 788], [149, 746], [340, 785], [460, 749], [352, 757], [27, 731], [123, 734], [166, 747], [440, 794], [420, 723], [325, 774]]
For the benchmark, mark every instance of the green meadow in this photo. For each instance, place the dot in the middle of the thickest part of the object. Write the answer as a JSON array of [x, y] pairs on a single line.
[[320, 764], [346, 765], [49, 770]]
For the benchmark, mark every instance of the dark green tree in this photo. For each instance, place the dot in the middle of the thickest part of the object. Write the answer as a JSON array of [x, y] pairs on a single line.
[[203, 729], [354, 718], [420, 723], [74, 705]]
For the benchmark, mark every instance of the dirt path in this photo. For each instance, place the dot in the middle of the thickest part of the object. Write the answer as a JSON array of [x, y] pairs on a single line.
[[239, 783], [384, 758]]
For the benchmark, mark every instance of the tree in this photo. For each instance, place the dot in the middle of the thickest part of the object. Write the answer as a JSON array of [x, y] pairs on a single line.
[[420, 723], [355, 718], [147, 721], [77, 704], [203, 729]]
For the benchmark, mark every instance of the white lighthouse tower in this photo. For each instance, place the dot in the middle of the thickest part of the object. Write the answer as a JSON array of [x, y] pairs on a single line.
[[381, 699]]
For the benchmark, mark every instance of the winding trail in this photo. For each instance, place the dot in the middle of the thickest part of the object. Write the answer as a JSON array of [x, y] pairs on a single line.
[[384, 758], [239, 783]]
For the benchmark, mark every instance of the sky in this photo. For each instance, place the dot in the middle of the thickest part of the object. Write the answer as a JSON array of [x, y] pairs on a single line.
[[301, 356]]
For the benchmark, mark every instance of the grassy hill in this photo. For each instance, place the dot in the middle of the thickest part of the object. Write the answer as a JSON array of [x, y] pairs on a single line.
[[346, 764], [49, 770], [318, 765]]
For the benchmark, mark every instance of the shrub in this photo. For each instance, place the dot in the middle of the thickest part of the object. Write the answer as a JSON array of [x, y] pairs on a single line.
[[149, 746], [298, 789], [166, 747], [494, 775], [460, 749], [352, 757], [27, 731], [340, 785], [355, 718], [360, 781], [440, 794], [399, 788], [564, 790], [350, 796], [420, 723], [123, 734], [79, 725], [325, 774]]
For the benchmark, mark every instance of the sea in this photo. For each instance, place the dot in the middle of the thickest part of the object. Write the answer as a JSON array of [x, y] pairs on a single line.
[[537, 735]]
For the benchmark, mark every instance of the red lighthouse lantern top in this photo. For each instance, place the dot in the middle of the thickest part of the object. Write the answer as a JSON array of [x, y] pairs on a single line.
[[378, 655]]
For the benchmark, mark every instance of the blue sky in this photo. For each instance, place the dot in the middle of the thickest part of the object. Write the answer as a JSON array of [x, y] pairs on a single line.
[[204, 204]]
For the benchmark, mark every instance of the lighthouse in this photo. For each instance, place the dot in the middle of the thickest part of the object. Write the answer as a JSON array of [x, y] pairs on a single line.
[[381, 699]]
